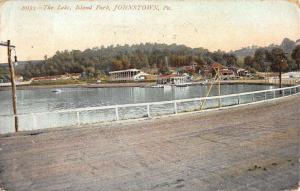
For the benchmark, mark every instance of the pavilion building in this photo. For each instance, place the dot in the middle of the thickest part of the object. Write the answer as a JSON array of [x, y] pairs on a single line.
[[127, 75]]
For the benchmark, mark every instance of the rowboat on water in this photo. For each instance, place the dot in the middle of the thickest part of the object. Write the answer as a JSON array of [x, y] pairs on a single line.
[[56, 91]]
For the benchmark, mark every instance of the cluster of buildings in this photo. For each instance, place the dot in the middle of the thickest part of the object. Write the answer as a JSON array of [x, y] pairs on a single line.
[[177, 74], [226, 73]]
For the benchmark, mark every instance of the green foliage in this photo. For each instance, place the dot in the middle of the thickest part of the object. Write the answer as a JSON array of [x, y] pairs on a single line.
[[230, 59], [279, 59], [259, 59], [268, 60], [164, 70], [104, 59], [296, 55], [248, 61]]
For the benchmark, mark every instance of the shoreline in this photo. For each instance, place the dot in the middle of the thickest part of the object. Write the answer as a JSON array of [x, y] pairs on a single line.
[[132, 84]]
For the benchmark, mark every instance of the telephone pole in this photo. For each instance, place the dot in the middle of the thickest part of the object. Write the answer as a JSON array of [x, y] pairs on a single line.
[[12, 79]]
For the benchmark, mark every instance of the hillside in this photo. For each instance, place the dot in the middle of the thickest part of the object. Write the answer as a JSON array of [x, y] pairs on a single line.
[[287, 45]]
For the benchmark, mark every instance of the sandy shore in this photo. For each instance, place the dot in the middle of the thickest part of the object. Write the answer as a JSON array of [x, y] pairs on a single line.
[[252, 147]]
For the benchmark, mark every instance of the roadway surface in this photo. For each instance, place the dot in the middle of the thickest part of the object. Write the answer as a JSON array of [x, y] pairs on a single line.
[[255, 147]]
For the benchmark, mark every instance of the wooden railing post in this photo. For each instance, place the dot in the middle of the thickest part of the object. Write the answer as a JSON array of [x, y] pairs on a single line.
[[148, 110], [265, 95], [117, 113], [78, 118], [175, 107]]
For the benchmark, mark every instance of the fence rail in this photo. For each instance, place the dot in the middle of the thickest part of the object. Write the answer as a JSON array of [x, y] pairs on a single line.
[[89, 115]]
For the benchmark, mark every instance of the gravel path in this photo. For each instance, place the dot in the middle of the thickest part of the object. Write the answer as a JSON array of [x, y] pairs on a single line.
[[254, 147]]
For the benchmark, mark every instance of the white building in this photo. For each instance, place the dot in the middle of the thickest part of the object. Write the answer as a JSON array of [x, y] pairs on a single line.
[[127, 75], [171, 79]]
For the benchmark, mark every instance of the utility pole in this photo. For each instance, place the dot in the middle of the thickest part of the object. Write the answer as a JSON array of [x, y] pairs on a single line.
[[12, 79]]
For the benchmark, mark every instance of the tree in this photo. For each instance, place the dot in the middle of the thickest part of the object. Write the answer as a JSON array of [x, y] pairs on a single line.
[[296, 55], [218, 56], [279, 61], [117, 65], [125, 63], [90, 71], [164, 70], [200, 64], [248, 61], [230, 59], [259, 59]]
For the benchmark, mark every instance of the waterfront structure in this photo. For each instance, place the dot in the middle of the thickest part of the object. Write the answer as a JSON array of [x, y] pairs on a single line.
[[171, 79], [227, 74], [127, 75], [243, 72]]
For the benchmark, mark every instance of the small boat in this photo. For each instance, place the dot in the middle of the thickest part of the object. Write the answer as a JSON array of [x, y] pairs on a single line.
[[56, 91]]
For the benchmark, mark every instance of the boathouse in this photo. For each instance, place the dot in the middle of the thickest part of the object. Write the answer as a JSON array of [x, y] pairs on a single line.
[[171, 79]]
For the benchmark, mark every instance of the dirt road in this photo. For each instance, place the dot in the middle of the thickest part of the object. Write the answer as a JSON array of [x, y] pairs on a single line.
[[246, 148]]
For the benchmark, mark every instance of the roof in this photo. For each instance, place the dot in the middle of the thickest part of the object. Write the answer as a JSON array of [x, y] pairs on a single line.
[[217, 65], [226, 71], [119, 71]]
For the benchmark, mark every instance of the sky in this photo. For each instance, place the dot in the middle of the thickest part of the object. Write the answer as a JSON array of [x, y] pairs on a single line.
[[41, 27]]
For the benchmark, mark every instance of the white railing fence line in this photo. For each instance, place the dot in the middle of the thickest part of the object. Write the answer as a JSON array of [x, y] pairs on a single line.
[[89, 115]]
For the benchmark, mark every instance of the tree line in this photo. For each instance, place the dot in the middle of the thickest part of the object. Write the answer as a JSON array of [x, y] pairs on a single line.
[[101, 60], [265, 60], [104, 59]]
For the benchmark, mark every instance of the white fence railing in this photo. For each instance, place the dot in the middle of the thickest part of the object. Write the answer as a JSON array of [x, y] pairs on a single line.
[[89, 115]]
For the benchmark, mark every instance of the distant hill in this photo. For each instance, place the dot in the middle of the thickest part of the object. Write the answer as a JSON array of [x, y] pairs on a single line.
[[287, 45]]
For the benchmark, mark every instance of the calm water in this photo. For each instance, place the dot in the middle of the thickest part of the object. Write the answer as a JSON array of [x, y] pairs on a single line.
[[43, 100], [40, 100]]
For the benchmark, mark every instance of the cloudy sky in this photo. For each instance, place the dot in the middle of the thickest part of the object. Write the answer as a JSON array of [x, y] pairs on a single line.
[[41, 27]]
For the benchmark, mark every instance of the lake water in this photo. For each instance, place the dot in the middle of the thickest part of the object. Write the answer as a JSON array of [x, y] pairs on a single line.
[[44, 100]]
